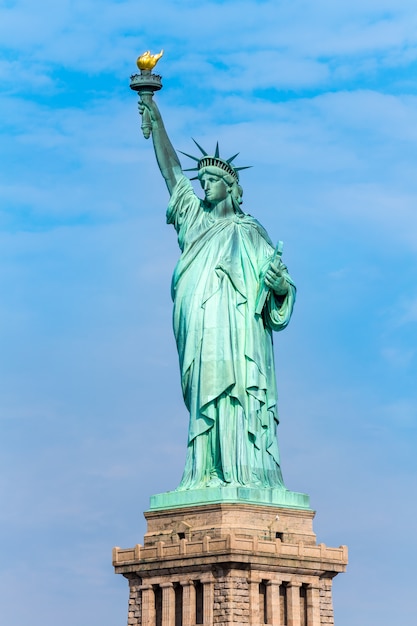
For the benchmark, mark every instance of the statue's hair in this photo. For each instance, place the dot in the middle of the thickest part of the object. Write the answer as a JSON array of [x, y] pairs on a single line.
[[231, 182]]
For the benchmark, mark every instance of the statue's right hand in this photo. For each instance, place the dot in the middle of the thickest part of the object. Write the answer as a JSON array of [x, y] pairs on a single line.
[[151, 108]]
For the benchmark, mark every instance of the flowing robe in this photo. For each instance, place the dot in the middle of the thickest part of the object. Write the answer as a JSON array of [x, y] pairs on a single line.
[[225, 349]]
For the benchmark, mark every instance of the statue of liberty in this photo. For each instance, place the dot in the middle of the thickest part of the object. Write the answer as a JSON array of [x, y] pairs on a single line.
[[222, 329]]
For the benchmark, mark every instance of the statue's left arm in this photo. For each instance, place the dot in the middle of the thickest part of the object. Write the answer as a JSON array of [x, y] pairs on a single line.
[[276, 278]]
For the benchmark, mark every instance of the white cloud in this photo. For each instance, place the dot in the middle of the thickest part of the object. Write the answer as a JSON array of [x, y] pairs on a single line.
[[293, 38]]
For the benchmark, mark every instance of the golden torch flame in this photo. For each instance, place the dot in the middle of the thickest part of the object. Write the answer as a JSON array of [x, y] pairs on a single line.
[[147, 61]]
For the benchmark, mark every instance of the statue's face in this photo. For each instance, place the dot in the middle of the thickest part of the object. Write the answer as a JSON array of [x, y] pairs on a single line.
[[214, 187]]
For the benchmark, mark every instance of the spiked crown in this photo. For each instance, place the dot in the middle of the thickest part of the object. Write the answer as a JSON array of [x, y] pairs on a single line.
[[214, 161]]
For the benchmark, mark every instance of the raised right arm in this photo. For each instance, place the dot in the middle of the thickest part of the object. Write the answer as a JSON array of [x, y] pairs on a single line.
[[166, 156]]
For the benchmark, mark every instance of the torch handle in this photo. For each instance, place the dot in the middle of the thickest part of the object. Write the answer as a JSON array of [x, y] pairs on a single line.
[[146, 97]]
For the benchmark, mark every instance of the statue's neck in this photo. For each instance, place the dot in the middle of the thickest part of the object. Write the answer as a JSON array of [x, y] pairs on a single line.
[[224, 208]]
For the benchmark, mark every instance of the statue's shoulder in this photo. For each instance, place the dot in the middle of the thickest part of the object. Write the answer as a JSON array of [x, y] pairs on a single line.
[[250, 221], [183, 186], [183, 203]]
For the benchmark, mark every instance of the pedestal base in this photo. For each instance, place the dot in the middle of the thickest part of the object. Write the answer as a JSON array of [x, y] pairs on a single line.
[[230, 564]]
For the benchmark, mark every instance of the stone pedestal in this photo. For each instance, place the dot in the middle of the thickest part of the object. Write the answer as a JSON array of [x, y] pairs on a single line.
[[230, 564]]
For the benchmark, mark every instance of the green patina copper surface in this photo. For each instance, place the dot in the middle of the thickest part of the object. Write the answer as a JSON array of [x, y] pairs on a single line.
[[193, 497], [224, 346]]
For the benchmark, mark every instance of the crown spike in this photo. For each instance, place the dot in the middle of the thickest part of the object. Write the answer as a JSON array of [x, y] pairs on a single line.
[[214, 161], [203, 152], [189, 156]]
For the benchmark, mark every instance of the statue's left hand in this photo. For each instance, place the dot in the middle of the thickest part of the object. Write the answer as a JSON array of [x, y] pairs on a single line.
[[274, 278]]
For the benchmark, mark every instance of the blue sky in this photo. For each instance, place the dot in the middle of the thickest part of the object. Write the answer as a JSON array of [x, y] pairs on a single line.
[[321, 98]]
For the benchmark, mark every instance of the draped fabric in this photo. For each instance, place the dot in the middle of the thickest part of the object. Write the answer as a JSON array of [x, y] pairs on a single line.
[[225, 349]]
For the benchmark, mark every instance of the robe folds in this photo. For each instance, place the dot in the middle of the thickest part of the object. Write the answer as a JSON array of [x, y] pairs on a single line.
[[225, 349]]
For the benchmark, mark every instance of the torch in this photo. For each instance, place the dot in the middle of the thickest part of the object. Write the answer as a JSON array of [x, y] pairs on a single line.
[[146, 84]]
